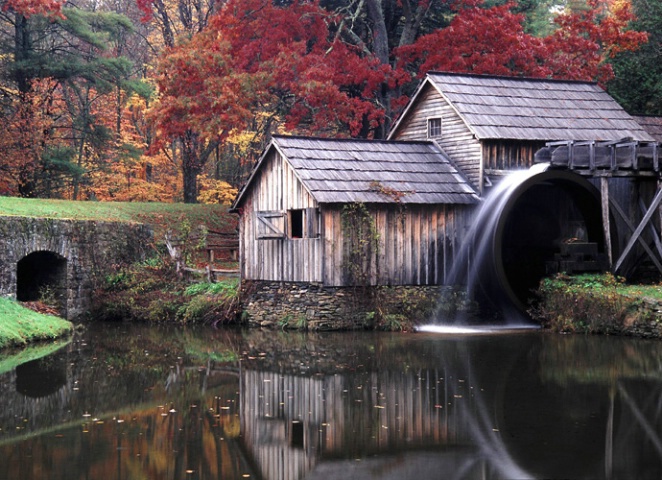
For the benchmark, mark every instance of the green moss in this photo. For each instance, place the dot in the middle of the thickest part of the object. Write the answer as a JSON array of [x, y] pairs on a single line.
[[20, 325]]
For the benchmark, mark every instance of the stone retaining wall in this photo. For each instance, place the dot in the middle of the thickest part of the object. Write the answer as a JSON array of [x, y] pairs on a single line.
[[89, 250], [316, 307]]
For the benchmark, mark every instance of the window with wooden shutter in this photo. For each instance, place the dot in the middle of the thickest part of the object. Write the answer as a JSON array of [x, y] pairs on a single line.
[[270, 224], [312, 223]]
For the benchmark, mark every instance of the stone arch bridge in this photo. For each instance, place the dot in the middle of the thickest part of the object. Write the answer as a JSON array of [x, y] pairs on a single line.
[[64, 259]]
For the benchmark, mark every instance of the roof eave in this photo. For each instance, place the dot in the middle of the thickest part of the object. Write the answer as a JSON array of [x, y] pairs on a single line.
[[240, 196]]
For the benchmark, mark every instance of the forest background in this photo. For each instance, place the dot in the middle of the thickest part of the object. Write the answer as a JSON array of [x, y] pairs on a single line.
[[174, 100]]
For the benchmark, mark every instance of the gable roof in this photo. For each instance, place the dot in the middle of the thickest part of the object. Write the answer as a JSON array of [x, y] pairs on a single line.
[[517, 108], [371, 171]]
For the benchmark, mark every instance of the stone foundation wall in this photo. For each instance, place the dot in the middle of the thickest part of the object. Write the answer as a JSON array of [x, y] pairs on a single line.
[[312, 306]]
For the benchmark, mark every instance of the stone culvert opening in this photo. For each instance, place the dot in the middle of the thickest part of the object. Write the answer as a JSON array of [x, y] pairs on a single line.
[[42, 274]]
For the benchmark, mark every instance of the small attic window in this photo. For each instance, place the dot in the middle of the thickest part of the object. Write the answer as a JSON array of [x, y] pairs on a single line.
[[434, 127]]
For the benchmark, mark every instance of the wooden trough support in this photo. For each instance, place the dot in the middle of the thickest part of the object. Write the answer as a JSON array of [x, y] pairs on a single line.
[[622, 158], [645, 222], [619, 156]]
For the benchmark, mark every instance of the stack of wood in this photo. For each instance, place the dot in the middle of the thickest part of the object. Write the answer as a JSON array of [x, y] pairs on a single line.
[[577, 257]]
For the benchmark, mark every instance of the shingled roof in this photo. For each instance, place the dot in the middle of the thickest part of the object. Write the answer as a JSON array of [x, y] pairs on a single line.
[[518, 108], [370, 171], [652, 124]]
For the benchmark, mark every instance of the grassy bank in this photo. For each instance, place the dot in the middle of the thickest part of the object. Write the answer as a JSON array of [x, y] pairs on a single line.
[[19, 326], [161, 216], [599, 304]]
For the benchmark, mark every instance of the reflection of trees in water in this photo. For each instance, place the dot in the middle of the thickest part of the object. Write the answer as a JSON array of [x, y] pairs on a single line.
[[196, 440], [149, 405]]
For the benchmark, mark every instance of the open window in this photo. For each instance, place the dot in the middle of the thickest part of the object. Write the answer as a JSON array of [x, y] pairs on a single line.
[[303, 223], [434, 127], [297, 435], [296, 223]]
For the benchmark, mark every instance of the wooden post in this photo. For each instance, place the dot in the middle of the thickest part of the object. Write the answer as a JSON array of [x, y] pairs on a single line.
[[604, 194]]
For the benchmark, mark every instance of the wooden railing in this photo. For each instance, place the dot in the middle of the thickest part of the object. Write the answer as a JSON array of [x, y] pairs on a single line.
[[211, 242]]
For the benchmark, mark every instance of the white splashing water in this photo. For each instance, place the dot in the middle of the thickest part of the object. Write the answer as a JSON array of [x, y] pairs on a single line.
[[477, 249], [474, 329], [484, 223]]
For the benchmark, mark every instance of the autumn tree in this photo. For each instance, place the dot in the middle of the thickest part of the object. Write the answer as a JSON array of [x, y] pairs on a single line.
[[493, 41], [479, 40], [68, 47], [283, 61], [586, 40]]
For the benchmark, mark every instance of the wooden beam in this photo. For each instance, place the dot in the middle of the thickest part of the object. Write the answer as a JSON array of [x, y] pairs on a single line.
[[651, 227], [604, 194], [637, 233], [617, 208]]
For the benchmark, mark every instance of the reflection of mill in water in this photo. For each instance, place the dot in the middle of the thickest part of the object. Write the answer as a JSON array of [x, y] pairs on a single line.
[[464, 418]]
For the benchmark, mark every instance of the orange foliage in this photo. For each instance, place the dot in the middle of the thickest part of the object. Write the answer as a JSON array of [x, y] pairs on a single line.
[[27, 8]]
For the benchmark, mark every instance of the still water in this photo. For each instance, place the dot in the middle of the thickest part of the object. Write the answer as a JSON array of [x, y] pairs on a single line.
[[129, 402]]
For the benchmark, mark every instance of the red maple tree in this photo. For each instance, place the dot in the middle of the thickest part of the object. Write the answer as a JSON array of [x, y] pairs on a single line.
[[254, 56], [479, 40], [27, 8], [586, 39], [493, 41]]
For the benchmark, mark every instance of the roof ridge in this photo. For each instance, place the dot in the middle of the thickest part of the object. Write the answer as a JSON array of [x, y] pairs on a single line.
[[507, 77], [347, 140]]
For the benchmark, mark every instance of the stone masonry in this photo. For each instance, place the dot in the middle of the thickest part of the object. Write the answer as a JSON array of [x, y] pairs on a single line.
[[85, 251], [313, 306]]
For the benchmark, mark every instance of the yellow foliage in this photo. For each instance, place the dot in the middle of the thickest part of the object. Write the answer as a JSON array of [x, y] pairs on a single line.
[[215, 191]]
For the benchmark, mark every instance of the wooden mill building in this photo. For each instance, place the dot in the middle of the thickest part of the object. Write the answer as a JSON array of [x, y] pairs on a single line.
[[292, 211], [459, 135]]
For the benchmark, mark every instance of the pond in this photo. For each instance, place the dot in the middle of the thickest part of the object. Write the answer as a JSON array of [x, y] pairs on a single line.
[[131, 402]]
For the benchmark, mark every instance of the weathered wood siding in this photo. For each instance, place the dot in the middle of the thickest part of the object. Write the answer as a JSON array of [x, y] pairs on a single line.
[[275, 191], [456, 139], [417, 244], [509, 154]]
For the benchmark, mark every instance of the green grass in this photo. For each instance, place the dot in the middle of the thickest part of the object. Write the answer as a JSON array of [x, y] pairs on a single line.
[[604, 284], [19, 325], [159, 215]]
